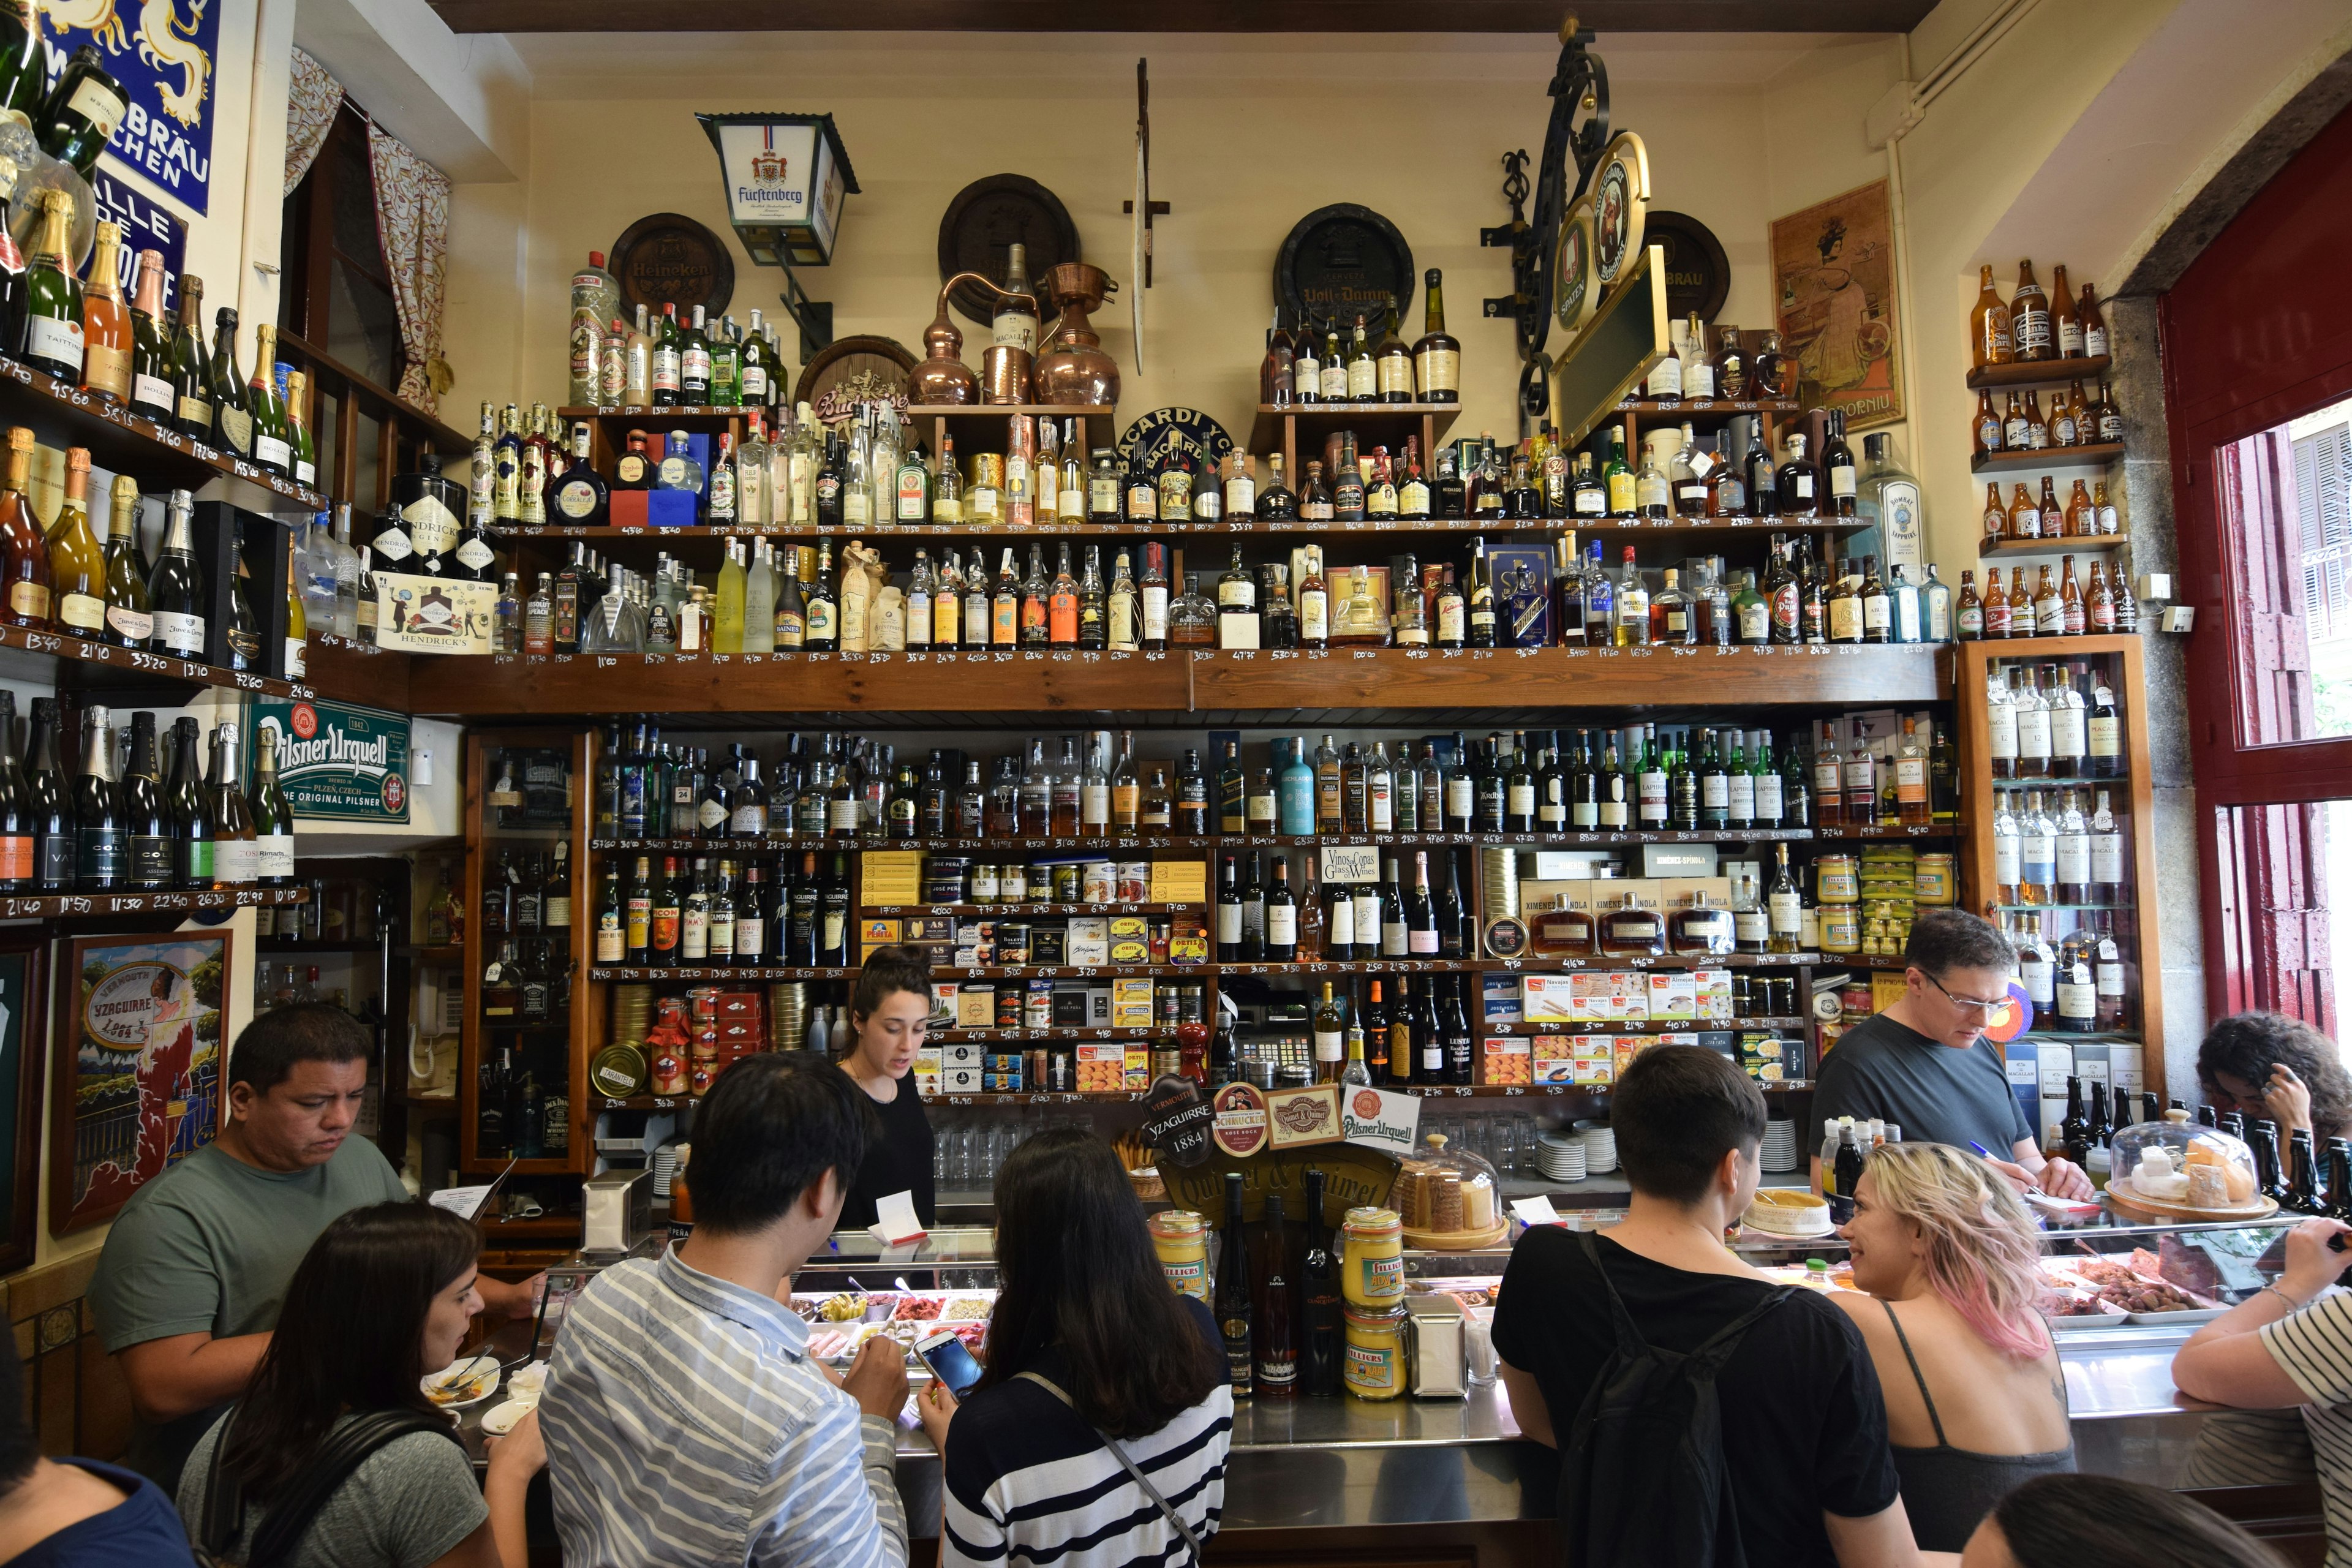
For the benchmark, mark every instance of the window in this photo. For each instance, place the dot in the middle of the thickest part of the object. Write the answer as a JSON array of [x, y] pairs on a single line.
[[336, 294]]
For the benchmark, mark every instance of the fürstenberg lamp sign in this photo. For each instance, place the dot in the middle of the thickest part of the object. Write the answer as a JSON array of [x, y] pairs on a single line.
[[787, 176]]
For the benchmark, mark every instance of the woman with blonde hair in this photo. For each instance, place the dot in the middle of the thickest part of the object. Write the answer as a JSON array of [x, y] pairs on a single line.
[[1976, 1404]]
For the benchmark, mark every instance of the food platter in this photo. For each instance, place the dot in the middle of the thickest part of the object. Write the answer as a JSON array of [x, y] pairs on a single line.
[[2121, 1192]]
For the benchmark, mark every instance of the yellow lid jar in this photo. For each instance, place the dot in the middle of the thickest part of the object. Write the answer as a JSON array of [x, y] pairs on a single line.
[[1371, 1257], [1837, 880], [1374, 1366], [1181, 1238]]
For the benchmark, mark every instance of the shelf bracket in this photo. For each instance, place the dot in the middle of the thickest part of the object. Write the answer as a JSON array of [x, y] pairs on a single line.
[[814, 317]]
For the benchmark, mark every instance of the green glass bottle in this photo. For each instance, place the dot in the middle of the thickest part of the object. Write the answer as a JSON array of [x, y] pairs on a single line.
[[52, 296], [187, 367], [232, 415], [23, 63], [82, 111], [272, 453]]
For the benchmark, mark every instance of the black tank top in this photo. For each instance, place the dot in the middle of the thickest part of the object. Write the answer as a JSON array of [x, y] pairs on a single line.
[[898, 1161], [1947, 1491]]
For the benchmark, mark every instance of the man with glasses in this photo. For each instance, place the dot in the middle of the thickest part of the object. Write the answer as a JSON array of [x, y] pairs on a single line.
[[1925, 1065]]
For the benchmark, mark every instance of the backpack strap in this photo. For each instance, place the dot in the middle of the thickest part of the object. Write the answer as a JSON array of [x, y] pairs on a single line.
[[1167, 1511], [1629, 1338], [306, 1491]]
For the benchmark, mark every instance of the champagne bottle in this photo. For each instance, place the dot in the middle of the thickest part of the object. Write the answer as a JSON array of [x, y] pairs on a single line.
[[102, 833], [152, 392], [188, 368], [76, 564], [16, 795], [24, 554], [190, 809], [106, 333], [82, 111], [51, 802], [244, 635], [273, 819], [149, 843], [175, 589], [272, 452], [234, 856], [232, 415], [53, 340]]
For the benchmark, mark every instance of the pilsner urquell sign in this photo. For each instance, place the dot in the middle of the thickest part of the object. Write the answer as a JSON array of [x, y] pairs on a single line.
[[337, 761]]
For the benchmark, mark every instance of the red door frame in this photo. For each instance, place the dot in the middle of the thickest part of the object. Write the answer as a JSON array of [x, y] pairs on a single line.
[[2257, 331]]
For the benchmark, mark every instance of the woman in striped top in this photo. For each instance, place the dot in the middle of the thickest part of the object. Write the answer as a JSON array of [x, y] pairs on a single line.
[[1087, 1348], [2288, 1345]]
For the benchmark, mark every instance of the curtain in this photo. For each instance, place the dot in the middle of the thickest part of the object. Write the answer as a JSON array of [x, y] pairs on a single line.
[[311, 109], [412, 220]]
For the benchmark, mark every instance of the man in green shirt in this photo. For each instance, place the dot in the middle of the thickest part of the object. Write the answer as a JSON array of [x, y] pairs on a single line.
[[189, 1285]]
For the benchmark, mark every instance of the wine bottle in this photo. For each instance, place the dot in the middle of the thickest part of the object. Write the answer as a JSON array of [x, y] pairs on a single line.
[[148, 861], [24, 72], [106, 333], [76, 564], [82, 111], [176, 590], [234, 856], [51, 802], [151, 345], [53, 340], [101, 834], [244, 633], [273, 819], [232, 415], [15, 794], [190, 808], [187, 366], [1233, 1293]]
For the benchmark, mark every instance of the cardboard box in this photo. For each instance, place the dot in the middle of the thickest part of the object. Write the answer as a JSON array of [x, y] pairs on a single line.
[[976, 1006], [1188, 941], [1499, 994], [1549, 1059], [1130, 940], [1766, 1057], [1131, 1004], [943, 1003], [1548, 998], [1102, 1069], [1593, 1058], [1139, 1067], [960, 1080], [1507, 1060], [1625, 1048], [1714, 988], [1608, 997], [927, 1071], [1672, 996], [1088, 940], [962, 1054]]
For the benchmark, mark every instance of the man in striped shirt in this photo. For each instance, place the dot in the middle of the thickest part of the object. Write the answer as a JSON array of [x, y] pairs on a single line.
[[685, 1423]]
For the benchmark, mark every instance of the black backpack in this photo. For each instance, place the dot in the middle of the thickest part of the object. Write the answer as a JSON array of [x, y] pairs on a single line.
[[304, 1493], [1641, 1477]]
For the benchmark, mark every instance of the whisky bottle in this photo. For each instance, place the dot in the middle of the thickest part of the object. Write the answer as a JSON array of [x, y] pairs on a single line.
[[1784, 905], [1437, 356]]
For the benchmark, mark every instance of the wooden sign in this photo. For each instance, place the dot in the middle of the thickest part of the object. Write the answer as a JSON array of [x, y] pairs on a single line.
[[667, 259], [1698, 274], [1343, 261], [981, 224], [844, 375]]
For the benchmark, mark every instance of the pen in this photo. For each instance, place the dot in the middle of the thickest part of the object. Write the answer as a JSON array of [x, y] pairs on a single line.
[[1979, 1148]]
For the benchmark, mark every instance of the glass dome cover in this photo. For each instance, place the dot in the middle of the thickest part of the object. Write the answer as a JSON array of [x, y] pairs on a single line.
[[2180, 1165], [1447, 1196]]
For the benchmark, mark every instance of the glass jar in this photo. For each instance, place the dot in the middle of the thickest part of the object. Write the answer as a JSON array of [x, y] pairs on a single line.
[[1837, 880], [2180, 1166], [1934, 881], [1374, 1366], [1371, 1257], [1181, 1238], [1447, 1197], [1840, 929]]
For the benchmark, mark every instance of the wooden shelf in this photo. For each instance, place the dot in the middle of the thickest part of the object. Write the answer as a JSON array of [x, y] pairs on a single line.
[[126, 442], [1126, 844], [2076, 544], [60, 659], [45, 906], [2038, 372], [1000, 410], [911, 688], [1713, 410], [2097, 454], [1028, 910], [646, 414], [1109, 533]]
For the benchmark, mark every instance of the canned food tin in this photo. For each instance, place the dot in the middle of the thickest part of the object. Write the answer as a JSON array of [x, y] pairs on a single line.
[[1134, 882], [1098, 882], [1037, 1006], [1008, 1007], [1012, 942]]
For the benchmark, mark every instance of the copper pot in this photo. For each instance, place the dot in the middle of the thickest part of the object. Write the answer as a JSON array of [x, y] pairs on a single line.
[[1004, 374], [942, 378], [1073, 369]]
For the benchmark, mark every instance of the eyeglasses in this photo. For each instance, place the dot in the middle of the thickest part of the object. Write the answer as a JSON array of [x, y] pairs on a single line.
[[1968, 1002]]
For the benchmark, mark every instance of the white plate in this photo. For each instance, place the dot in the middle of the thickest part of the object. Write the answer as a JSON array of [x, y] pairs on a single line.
[[502, 1419], [485, 1367], [2187, 1315], [2088, 1320]]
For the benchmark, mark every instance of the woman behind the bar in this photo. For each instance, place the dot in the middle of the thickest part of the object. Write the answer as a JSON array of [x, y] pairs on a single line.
[[2269, 1067], [380, 1301], [1975, 1401], [889, 1014], [1088, 1347]]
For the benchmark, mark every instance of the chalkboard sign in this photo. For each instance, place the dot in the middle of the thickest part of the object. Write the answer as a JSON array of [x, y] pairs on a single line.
[[667, 259], [1344, 261], [1624, 339]]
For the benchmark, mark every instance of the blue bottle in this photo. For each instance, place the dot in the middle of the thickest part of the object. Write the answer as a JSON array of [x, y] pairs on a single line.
[[1294, 790]]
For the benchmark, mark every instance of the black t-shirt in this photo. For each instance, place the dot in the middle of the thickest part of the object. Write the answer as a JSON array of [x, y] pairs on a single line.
[[1935, 1092], [898, 1161], [1805, 1426]]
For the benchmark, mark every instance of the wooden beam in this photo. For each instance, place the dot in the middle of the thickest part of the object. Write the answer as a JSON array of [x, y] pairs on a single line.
[[1353, 17]]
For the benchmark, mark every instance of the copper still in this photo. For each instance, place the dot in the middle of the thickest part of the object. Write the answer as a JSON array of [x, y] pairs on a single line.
[[1074, 370], [943, 379]]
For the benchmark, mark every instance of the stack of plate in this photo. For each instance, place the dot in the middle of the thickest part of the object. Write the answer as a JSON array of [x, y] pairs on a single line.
[[1778, 1154], [1599, 1143], [1559, 1157]]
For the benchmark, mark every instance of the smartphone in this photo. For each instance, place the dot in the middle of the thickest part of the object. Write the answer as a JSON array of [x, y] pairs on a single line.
[[949, 1361]]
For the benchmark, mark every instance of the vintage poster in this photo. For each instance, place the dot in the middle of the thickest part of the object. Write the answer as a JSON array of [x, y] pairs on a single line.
[[163, 52], [1834, 276], [138, 1066], [420, 614], [335, 759]]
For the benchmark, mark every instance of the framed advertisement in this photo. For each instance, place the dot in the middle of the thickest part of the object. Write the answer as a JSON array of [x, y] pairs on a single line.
[[1833, 288], [23, 975], [136, 1058]]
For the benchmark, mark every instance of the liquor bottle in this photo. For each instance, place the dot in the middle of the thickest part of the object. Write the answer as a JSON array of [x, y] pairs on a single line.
[[106, 333], [53, 316], [1322, 1346], [1437, 356], [273, 819], [1276, 384], [232, 413], [234, 857], [667, 359], [1232, 1306], [1014, 324], [1784, 905], [1990, 337]]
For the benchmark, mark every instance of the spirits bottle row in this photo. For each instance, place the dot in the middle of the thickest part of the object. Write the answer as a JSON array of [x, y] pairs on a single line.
[[2073, 419], [123, 819], [62, 579], [2032, 326], [2051, 720], [2057, 848], [1645, 777], [1304, 368], [769, 597], [667, 360], [2077, 985], [1730, 372]]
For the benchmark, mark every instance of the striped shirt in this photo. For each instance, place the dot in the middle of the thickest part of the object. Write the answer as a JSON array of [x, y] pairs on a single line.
[[1028, 1481], [2313, 1347], [686, 1428]]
